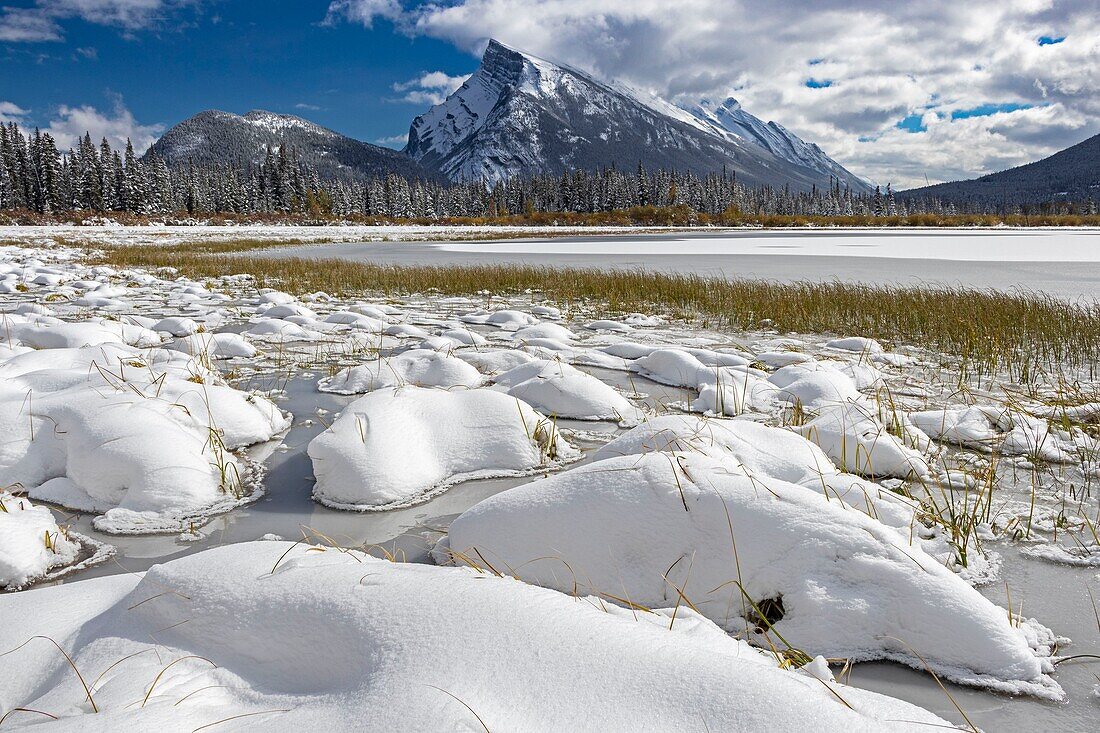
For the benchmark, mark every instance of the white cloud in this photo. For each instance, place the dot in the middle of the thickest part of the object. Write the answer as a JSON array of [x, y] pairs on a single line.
[[362, 11], [307, 107], [431, 87], [12, 112], [886, 60], [394, 141], [117, 126], [42, 21], [27, 25]]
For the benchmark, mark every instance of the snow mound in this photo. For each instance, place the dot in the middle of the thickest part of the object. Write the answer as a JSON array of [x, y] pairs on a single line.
[[31, 543], [766, 453], [759, 449], [754, 558], [399, 447], [545, 331], [968, 426], [857, 442], [280, 331], [420, 367], [495, 361], [506, 320], [815, 384], [50, 333], [145, 438], [726, 385], [1013, 432], [859, 344], [562, 390], [281, 637], [206, 346], [356, 321]]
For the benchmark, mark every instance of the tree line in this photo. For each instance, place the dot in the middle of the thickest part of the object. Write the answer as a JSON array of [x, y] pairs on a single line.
[[35, 176]]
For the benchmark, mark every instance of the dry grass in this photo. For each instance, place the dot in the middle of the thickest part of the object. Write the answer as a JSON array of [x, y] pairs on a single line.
[[1025, 335]]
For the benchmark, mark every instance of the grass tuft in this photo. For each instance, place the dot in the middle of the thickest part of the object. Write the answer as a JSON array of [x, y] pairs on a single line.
[[1029, 336]]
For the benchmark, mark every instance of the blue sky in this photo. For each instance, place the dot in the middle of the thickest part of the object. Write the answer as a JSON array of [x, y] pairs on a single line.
[[235, 56], [899, 93]]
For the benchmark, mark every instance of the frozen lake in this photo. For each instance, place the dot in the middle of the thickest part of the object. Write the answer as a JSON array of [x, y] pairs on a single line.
[[1064, 263]]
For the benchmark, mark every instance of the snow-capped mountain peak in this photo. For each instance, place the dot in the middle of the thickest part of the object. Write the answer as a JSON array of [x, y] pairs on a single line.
[[519, 114]]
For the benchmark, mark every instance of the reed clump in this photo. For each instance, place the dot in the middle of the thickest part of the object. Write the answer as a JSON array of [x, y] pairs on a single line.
[[1028, 336]]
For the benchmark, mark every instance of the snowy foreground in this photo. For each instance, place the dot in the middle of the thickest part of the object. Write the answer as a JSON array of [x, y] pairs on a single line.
[[107, 232], [691, 563]]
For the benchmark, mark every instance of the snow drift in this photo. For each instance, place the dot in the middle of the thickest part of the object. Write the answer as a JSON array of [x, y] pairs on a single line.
[[276, 637], [767, 558], [396, 447]]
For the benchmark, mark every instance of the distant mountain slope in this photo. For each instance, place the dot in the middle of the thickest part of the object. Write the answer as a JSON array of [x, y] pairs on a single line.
[[731, 118], [222, 137], [519, 114], [1072, 174]]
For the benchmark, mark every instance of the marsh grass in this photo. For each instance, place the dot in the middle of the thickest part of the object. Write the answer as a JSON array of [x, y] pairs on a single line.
[[1028, 336]]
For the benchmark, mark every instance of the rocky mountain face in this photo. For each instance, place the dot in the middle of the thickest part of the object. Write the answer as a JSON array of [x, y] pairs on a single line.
[[729, 118], [222, 137], [1071, 175], [519, 114]]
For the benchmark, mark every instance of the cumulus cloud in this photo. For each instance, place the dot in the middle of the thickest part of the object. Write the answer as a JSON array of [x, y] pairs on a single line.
[[883, 62], [42, 21], [394, 141], [27, 25], [431, 87], [117, 125], [12, 112], [362, 11]]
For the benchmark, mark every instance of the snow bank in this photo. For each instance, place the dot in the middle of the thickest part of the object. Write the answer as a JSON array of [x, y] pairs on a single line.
[[206, 346], [556, 388], [495, 361], [420, 367], [830, 581], [765, 453], [1012, 431], [31, 543], [144, 437], [967, 426], [726, 385], [398, 447], [506, 320], [857, 442], [276, 637]]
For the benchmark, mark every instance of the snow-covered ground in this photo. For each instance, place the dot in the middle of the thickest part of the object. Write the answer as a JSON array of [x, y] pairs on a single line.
[[165, 235], [665, 494], [337, 640]]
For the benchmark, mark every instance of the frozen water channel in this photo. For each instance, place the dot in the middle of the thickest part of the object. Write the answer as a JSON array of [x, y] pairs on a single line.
[[1064, 263]]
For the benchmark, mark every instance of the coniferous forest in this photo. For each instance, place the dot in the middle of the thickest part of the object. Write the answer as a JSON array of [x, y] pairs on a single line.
[[41, 180]]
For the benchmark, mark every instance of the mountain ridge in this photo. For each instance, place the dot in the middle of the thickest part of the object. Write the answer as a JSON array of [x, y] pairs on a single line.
[[521, 114], [214, 136], [1071, 174]]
